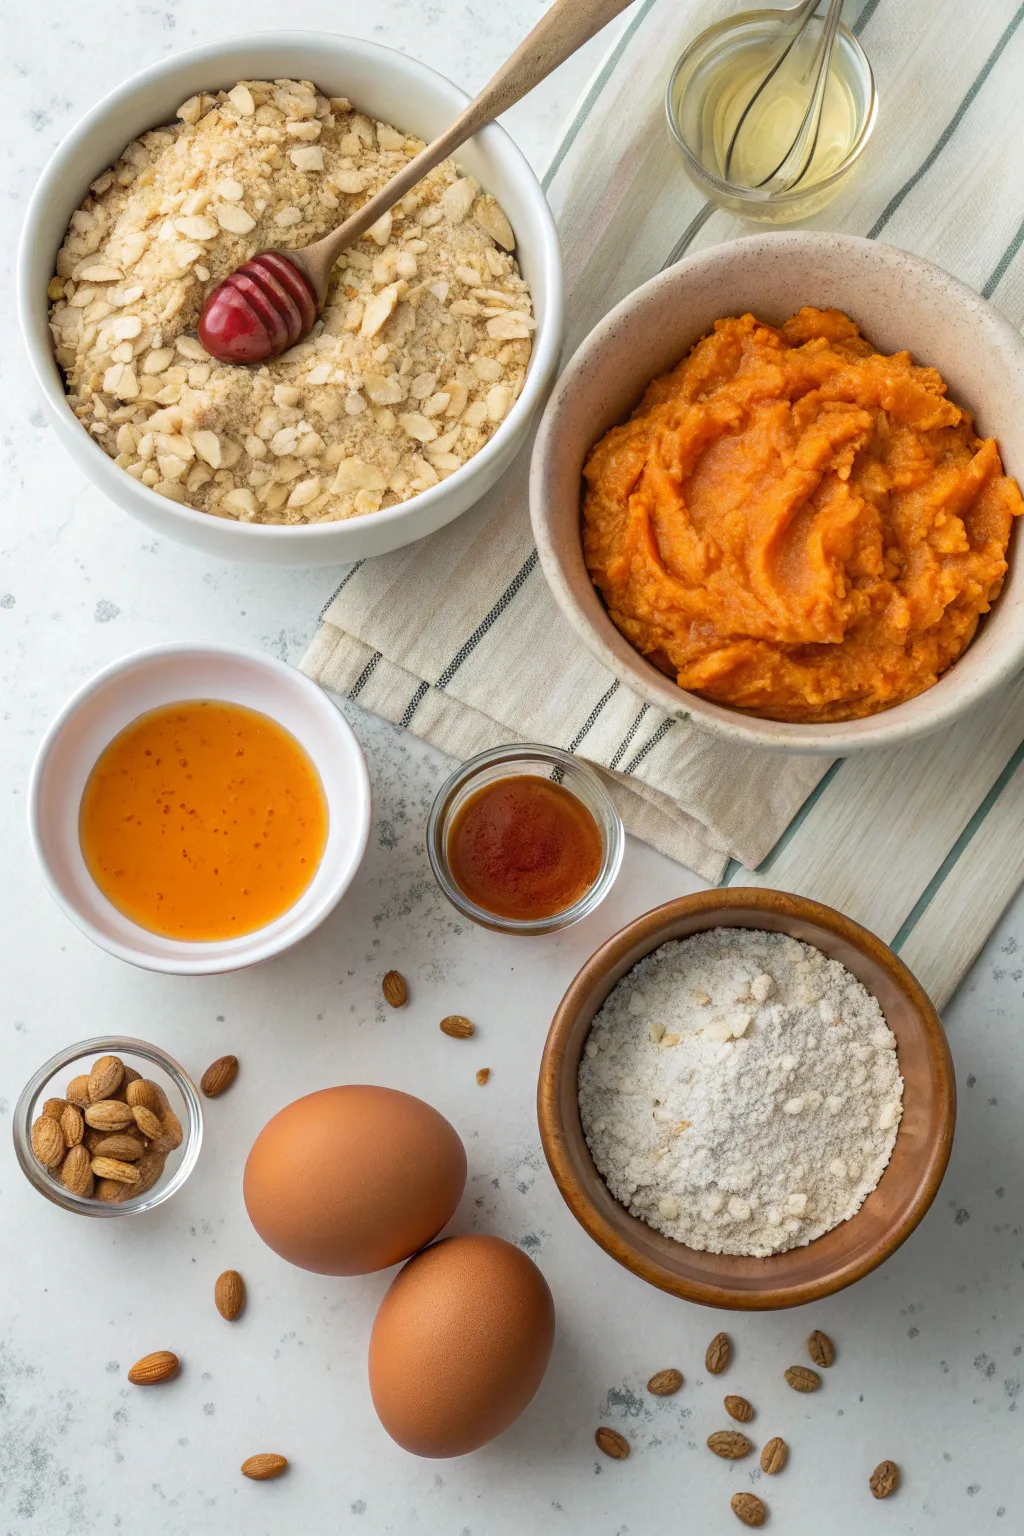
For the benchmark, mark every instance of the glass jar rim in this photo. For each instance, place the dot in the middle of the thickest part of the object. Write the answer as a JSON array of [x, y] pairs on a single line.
[[602, 807], [751, 195]]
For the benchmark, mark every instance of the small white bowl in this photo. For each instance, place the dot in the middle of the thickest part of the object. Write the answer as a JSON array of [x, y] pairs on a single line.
[[387, 86], [162, 675], [899, 301]]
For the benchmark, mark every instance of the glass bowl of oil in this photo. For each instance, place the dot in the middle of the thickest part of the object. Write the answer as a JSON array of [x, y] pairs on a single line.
[[715, 80]]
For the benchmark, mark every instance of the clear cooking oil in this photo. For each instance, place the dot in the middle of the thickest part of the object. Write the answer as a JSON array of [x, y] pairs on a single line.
[[716, 82]]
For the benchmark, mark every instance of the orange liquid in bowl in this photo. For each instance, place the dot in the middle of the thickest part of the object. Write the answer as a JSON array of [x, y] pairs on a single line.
[[203, 820]]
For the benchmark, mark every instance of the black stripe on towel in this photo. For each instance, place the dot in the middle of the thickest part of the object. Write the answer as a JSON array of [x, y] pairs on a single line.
[[659, 735], [486, 623], [364, 676], [591, 719], [950, 128], [413, 705], [341, 584], [620, 753], [999, 271]]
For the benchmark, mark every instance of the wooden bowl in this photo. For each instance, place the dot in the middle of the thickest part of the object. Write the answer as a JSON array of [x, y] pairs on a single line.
[[851, 1250]]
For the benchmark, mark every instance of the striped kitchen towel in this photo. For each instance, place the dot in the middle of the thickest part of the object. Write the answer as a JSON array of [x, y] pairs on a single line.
[[457, 638]]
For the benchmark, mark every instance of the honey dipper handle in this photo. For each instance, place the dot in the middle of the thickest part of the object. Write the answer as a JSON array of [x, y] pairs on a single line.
[[566, 26]]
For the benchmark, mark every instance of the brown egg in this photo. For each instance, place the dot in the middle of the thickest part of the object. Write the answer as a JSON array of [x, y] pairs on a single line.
[[460, 1345], [349, 1180]]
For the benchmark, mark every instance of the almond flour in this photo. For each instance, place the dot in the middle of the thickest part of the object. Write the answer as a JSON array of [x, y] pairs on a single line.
[[419, 355], [739, 1092]]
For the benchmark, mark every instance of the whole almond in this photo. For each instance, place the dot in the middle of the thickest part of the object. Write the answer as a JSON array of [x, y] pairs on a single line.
[[821, 1349], [150, 1167], [53, 1108], [48, 1141], [802, 1379], [664, 1383], [748, 1508], [719, 1354], [729, 1444], [394, 988], [143, 1092], [220, 1074], [885, 1479], [229, 1294], [76, 1172], [483, 1076], [170, 1132], [152, 1369], [111, 1192], [72, 1125], [458, 1027], [113, 1168], [264, 1466], [109, 1115], [773, 1457], [149, 1124], [739, 1409], [77, 1092], [130, 1076], [105, 1078], [612, 1443], [122, 1145]]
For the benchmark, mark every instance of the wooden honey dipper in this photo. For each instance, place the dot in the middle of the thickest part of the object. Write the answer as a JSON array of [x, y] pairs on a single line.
[[272, 300]]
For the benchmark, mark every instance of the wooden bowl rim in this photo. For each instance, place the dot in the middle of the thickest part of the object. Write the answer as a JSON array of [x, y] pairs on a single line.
[[652, 926]]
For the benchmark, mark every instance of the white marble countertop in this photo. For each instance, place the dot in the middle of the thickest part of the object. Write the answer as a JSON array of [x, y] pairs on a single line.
[[930, 1348]]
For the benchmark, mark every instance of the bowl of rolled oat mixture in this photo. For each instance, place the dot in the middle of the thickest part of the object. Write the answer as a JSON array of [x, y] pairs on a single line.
[[437, 341], [747, 1099]]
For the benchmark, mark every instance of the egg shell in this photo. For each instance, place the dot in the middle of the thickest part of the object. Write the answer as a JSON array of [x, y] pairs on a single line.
[[460, 1345], [349, 1180]]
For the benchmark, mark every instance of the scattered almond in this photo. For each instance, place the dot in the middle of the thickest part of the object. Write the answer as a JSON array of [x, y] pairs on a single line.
[[148, 1123], [483, 1076], [105, 1077], [802, 1379], [664, 1383], [220, 1074], [394, 988], [729, 1444], [264, 1466], [748, 1508], [773, 1457], [739, 1409], [229, 1294], [457, 1027], [821, 1349], [152, 1369], [884, 1480], [612, 1443], [719, 1353]]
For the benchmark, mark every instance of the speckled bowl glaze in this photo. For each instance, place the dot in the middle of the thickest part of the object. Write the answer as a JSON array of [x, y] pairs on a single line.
[[900, 302]]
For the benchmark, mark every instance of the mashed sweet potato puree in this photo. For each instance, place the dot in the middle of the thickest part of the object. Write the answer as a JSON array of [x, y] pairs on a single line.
[[793, 524]]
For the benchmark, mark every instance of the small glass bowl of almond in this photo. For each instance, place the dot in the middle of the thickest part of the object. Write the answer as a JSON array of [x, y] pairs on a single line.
[[108, 1127]]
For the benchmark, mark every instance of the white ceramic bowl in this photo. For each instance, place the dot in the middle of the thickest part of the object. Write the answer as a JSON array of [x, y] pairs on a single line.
[[899, 301], [386, 85], [162, 675]]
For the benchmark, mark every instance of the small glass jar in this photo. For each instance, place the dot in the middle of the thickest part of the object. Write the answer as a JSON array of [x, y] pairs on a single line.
[[690, 106], [51, 1080], [541, 762]]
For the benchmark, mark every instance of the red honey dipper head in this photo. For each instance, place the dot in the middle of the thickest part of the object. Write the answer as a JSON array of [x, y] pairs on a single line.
[[258, 311]]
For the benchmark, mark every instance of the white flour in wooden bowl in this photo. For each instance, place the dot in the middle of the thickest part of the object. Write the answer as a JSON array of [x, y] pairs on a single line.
[[739, 1092]]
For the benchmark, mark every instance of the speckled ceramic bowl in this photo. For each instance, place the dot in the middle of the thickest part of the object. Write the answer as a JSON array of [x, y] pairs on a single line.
[[900, 302]]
